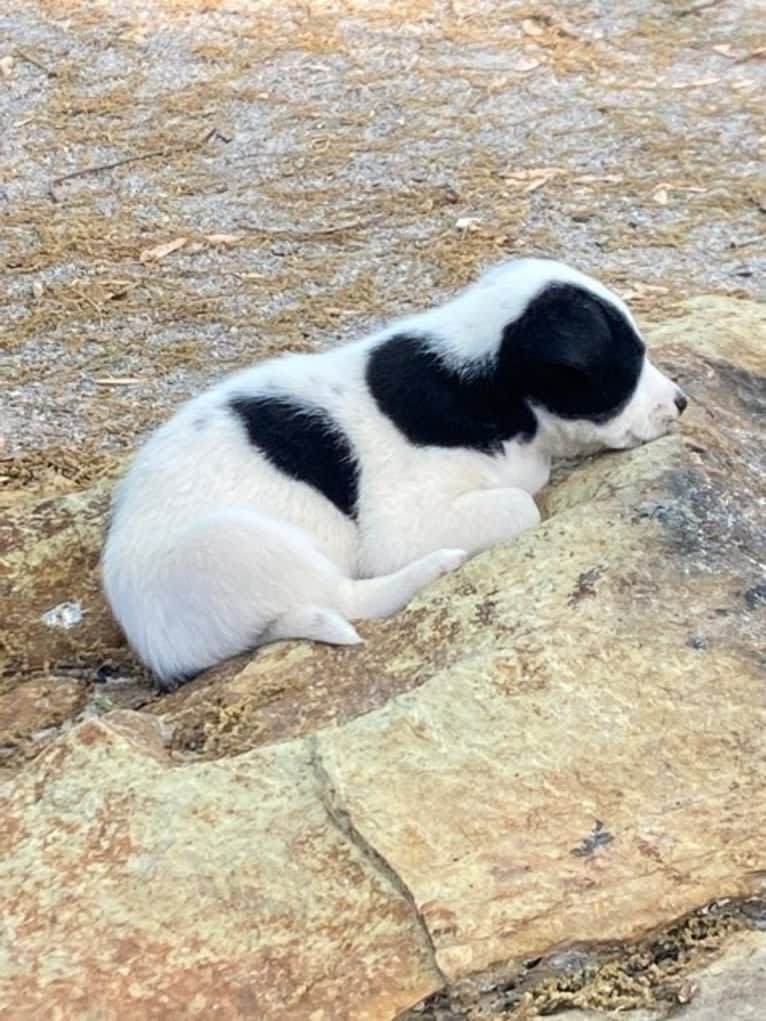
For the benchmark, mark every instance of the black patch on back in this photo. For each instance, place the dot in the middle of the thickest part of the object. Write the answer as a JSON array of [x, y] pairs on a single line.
[[435, 406], [569, 351], [305, 443], [573, 353]]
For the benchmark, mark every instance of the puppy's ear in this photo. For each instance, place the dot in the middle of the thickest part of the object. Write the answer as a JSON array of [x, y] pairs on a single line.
[[563, 328], [572, 352]]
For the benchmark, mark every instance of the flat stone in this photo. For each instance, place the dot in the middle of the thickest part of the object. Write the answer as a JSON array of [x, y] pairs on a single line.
[[727, 331], [136, 888]]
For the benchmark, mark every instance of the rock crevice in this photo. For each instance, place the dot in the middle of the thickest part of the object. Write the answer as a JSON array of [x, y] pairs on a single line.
[[341, 819]]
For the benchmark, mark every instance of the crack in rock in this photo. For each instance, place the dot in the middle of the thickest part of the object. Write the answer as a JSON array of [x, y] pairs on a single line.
[[650, 972], [341, 819]]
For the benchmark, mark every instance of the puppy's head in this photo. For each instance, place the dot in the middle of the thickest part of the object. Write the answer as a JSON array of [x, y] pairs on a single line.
[[577, 356]]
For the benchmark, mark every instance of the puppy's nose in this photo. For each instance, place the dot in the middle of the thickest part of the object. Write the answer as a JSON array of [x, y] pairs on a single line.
[[681, 402]]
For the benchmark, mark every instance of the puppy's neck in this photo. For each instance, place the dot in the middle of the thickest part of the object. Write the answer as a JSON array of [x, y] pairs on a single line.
[[558, 438]]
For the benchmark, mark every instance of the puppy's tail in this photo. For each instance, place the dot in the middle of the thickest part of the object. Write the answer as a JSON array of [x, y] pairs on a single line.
[[235, 579]]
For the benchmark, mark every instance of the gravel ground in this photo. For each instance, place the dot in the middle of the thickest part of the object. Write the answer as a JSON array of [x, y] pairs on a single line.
[[323, 166]]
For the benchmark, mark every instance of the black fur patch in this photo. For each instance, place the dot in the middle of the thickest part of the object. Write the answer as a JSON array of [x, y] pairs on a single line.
[[435, 406], [305, 443], [569, 351], [572, 352]]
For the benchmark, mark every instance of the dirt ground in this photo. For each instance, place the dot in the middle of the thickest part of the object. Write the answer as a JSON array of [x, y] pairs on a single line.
[[186, 186]]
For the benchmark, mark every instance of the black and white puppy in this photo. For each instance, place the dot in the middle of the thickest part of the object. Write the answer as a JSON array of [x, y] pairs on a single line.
[[316, 489]]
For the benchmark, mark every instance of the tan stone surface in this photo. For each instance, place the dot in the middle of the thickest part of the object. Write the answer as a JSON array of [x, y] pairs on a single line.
[[721, 329], [561, 743], [484, 788], [133, 888]]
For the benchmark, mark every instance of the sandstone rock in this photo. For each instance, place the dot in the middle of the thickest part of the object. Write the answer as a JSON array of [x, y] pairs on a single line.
[[133, 888], [562, 743]]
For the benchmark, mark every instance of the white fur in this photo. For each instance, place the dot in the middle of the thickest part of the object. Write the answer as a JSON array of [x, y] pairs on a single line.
[[212, 550]]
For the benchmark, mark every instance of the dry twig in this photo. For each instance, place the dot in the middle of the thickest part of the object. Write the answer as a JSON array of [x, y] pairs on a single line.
[[102, 167], [317, 232], [703, 5], [21, 55]]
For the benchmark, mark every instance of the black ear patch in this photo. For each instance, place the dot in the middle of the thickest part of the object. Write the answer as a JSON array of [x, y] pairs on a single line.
[[572, 352], [305, 443], [433, 405]]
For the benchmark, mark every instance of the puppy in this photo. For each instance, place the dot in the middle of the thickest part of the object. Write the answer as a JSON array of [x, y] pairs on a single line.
[[316, 489]]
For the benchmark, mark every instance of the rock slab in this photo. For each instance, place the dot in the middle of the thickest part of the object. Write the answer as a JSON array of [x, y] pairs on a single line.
[[133, 888]]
